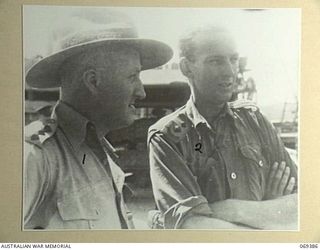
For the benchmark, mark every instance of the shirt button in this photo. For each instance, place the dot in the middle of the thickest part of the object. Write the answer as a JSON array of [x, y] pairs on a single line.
[[233, 176], [261, 163]]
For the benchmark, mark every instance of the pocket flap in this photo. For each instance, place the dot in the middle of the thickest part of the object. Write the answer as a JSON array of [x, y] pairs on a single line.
[[253, 152], [79, 205]]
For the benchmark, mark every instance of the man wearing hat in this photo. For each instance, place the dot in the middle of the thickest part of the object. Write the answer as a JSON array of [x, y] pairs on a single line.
[[72, 180], [218, 163]]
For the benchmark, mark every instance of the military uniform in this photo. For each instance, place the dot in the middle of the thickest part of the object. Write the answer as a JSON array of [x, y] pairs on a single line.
[[194, 163], [71, 178]]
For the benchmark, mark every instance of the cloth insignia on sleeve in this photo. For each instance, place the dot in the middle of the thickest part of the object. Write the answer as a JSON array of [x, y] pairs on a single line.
[[37, 132], [177, 128]]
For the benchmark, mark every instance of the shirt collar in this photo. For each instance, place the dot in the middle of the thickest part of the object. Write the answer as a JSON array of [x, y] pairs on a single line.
[[72, 123], [196, 118]]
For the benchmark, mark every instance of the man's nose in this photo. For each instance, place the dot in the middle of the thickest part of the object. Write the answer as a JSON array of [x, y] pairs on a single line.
[[140, 93]]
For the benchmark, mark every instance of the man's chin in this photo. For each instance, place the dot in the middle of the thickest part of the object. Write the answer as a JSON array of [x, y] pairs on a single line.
[[218, 101], [126, 122], [225, 98]]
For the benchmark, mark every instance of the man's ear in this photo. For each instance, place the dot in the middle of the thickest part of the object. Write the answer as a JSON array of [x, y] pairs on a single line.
[[90, 79], [186, 68]]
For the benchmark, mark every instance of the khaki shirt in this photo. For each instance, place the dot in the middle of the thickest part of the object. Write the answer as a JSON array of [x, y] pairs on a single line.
[[67, 185], [194, 164]]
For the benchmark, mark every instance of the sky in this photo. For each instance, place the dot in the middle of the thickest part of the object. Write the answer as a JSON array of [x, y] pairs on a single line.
[[270, 38]]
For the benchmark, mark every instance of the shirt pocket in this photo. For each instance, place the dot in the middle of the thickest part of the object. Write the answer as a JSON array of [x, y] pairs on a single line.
[[256, 169], [77, 209], [253, 153]]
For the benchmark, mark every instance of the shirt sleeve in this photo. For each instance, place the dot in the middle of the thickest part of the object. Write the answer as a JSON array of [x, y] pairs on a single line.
[[276, 151], [175, 188], [36, 181]]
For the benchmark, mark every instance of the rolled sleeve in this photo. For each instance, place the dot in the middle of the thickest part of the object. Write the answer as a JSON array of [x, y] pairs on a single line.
[[179, 212], [176, 191]]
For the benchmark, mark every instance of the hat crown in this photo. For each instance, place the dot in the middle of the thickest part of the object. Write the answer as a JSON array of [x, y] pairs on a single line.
[[85, 31]]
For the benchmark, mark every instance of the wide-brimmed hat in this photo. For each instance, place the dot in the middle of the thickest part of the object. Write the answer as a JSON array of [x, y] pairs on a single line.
[[45, 73], [35, 106]]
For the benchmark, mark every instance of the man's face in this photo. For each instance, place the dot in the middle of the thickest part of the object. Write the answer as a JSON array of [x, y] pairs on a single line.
[[215, 67], [119, 87]]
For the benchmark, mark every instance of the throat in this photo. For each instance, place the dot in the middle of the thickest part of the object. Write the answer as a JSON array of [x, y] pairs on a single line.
[[208, 111]]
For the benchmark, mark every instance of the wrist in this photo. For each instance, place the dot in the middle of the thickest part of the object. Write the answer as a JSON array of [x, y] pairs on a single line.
[[228, 210]]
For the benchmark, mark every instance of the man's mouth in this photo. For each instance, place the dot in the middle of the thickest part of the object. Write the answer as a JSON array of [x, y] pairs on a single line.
[[132, 105], [132, 108]]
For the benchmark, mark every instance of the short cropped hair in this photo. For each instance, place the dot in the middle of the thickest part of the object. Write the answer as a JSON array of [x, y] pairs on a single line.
[[188, 42]]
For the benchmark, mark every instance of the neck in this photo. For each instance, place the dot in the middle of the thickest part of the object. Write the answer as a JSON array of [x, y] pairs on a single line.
[[207, 109], [85, 109], [102, 130]]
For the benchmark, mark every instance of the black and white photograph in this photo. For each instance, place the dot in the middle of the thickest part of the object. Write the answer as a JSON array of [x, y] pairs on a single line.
[[155, 118]]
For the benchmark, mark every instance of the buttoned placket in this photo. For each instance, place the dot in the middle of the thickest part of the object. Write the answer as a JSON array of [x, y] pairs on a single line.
[[231, 171], [95, 145], [214, 134], [223, 149]]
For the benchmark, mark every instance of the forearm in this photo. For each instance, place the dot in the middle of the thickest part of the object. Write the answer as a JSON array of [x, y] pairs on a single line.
[[279, 213], [204, 222]]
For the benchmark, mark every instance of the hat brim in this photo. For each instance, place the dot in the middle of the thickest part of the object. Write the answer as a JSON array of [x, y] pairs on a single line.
[[35, 106], [45, 73]]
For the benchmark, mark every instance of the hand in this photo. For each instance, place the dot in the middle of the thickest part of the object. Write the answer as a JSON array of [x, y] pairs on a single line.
[[277, 183]]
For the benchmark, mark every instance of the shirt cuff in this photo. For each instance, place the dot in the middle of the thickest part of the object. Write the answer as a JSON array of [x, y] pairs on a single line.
[[179, 212]]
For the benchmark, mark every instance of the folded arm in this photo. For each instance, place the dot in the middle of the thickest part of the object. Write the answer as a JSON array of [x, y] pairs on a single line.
[[176, 192], [204, 222], [280, 213], [173, 184]]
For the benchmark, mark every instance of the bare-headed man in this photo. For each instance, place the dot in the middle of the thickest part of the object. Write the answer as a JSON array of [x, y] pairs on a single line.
[[217, 163]]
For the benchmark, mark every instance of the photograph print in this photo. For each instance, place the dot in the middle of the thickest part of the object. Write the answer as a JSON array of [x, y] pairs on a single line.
[[160, 118]]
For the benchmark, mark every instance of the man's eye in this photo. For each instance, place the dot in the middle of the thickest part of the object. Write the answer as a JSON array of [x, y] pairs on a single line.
[[133, 77], [215, 61], [234, 60]]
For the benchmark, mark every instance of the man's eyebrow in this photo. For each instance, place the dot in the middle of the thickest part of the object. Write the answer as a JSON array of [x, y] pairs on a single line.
[[235, 55], [218, 57], [214, 56], [222, 56]]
